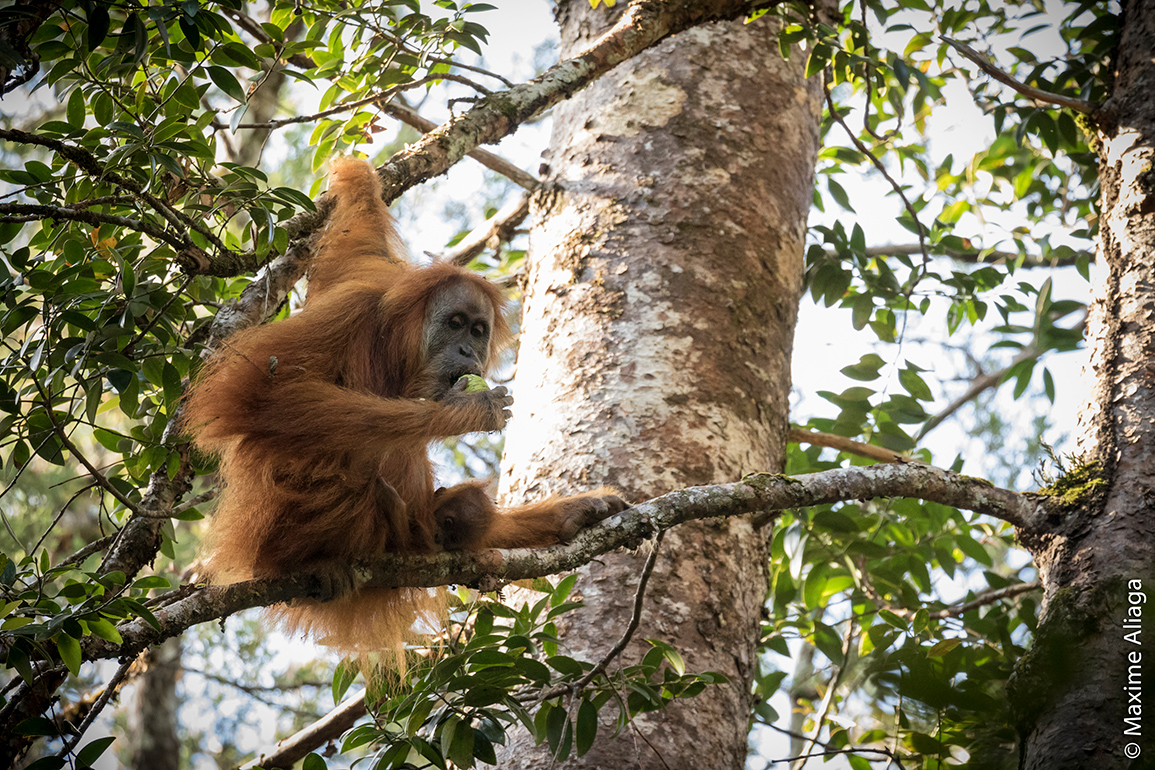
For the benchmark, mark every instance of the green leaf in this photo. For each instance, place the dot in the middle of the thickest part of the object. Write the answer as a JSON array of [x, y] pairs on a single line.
[[98, 22], [943, 647], [92, 751], [69, 650], [586, 726], [314, 761], [225, 81], [461, 750], [104, 629], [343, 677], [76, 108]]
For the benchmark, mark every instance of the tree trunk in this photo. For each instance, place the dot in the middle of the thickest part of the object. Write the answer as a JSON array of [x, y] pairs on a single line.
[[656, 340], [1088, 669], [155, 744]]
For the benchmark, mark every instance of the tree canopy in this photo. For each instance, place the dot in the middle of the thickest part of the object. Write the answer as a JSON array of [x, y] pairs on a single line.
[[160, 191]]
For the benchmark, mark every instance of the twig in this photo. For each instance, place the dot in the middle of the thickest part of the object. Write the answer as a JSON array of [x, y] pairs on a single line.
[[387, 94], [985, 598], [26, 212], [192, 502], [327, 728], [843, 444], [58, 429], [627, 635], [410, 117], [828, 698], [500, 226], [972, 256], [93, 547], [1037, 94], [985, 381], [251, 26], [98, 706], [858, 144], [977, 386], [88, 163], [836, 752]]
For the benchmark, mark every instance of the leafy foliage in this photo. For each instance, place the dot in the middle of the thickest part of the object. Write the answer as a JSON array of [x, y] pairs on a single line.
[[503, 667], [129, 221]]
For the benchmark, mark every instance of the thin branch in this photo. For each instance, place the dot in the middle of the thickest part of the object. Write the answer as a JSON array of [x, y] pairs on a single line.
[[978, 385], [838, 752], [98, 706], [828, 697], [250, 25], [972, 256], [500, 226], [1037, 94], [627, 635], [985, 598], [843, 444], [193, 502], [411, 117], [387, 94], [58, 429], [858, 144], [88, 163], [329, 728], [26, 212]]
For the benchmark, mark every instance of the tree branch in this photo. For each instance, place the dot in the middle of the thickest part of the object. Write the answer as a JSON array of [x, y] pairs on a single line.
[[973, 256], [328, 728], [490, 569], [644, 23], [26, 212], [500, 226], [411, 117], [1037, 94], [843, 444], [89, 164]]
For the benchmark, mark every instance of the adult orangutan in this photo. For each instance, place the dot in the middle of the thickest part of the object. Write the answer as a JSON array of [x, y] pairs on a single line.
[[322, 421]]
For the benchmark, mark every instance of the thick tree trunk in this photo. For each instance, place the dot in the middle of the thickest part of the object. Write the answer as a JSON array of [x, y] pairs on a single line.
[[1079, 692], [655, 352]]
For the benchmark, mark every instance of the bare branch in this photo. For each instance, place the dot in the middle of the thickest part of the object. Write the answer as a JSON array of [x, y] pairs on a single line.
[[329, 728], [985, 598], [974, 256], [977, 386], [410, 117], [250, 25], [61, 436], [982, 383], [385, 95], [26, 212], [1036, 94], [500, 226], [843, 444], [858, 144]]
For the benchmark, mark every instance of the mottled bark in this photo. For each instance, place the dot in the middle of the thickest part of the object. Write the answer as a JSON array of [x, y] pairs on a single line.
[[1073, 690], [655, 353]]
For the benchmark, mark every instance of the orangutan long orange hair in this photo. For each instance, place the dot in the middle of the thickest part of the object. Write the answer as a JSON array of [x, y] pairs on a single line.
[[322, 421]]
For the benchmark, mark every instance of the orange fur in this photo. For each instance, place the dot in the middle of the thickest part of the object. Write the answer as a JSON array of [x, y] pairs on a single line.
[[321, 430]]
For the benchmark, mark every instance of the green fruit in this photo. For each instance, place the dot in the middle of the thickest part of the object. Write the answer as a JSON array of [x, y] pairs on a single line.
[[474, 384]]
